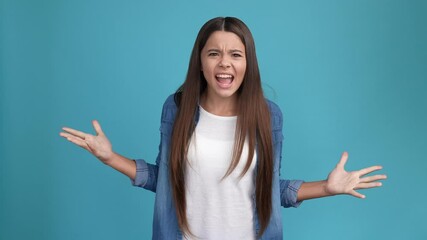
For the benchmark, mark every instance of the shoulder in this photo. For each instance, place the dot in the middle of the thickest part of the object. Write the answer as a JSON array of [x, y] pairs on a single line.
[[275, 114], [170, 102], [274, 108]]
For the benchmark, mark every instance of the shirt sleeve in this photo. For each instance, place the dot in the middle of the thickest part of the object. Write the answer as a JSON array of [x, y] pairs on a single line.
[[146, 175], [288, 192]]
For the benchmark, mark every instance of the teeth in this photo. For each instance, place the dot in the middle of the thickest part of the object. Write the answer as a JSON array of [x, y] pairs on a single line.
[[224, 76]]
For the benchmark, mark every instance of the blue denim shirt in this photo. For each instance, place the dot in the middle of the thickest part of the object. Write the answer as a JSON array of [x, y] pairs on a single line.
[[155, 177]]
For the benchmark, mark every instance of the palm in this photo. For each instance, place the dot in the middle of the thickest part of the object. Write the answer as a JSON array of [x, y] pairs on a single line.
[[98, 144], [342, 182]]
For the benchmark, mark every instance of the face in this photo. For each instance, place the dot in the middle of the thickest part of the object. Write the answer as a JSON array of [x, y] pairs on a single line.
[[223, 61]]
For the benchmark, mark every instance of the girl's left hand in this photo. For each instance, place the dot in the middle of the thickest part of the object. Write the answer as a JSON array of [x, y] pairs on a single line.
[[342, 182]]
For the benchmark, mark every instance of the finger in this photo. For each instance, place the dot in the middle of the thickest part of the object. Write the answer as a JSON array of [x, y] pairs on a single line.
[[368, 185], [66, 135], [373, 178], [75, 132], [343, 160], [369, 170], [69, 136], [78, 141], [356, 194], [97, 127]]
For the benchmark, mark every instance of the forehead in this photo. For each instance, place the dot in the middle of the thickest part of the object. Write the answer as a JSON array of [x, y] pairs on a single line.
[[223, 39]]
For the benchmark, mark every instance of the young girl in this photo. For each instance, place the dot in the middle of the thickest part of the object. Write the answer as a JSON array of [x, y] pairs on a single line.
[[217, 172]]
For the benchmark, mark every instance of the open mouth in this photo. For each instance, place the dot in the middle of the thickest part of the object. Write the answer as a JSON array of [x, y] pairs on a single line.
[[224, 80]]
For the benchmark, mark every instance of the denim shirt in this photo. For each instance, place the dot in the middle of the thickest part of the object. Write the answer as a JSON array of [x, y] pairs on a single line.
[[155, 177]]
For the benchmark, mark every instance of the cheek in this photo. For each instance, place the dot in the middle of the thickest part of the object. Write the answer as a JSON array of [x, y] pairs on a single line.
[[242, 69], [204, 66], [206, 71], [206, 75], [207, 68]]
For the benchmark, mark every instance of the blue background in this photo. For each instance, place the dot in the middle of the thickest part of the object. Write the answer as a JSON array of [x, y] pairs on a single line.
[[348, 75]]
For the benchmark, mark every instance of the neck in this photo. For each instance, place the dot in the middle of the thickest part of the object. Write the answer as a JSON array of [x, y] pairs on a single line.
[[219, 106]]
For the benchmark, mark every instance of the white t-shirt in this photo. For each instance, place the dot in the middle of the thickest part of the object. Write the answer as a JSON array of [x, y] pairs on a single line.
[[218, 209]]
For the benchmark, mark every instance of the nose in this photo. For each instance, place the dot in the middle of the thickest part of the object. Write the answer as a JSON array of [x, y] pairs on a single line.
[[224, 62]]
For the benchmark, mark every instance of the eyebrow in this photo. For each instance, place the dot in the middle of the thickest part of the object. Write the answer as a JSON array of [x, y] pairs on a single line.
[[217, 50]]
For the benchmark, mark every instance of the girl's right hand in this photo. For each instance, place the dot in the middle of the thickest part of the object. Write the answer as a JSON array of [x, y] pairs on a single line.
[[98, 145]]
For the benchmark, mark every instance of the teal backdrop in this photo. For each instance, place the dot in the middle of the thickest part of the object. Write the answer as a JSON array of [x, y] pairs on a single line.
[[348, 75]]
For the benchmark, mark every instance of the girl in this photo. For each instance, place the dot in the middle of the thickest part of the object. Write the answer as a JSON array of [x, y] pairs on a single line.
[[217, 172]]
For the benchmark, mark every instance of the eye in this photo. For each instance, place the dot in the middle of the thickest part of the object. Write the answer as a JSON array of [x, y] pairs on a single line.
[[236, 55], [212, 54]]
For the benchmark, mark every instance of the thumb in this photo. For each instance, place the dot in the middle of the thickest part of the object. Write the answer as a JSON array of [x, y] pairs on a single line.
[[97, 127], [343, 160]]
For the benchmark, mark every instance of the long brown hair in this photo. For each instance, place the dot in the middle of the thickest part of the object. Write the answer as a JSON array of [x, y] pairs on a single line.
[[253, 122]]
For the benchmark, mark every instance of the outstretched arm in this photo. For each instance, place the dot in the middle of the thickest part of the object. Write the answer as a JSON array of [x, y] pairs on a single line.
[[340, 181], [99, 146]]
